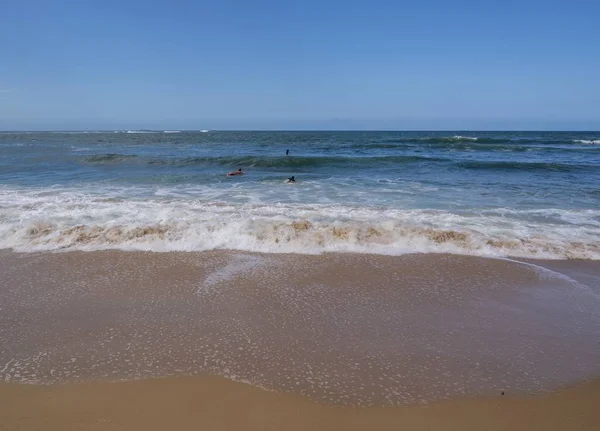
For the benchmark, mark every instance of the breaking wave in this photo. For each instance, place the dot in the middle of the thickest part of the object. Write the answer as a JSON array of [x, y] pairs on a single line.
[[587, 141], [457, 139], [80, 222]]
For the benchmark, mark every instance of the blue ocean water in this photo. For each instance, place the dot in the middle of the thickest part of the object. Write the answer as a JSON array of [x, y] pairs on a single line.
[[528, 194]]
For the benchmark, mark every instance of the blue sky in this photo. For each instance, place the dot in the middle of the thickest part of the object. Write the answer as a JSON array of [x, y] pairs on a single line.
[[300, 65]]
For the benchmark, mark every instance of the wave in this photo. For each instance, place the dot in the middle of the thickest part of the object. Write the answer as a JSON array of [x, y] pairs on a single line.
[[298, 236], [587, 141], [458, 139], [521, 166], [257, 161], [299, 162], [508, 140], [80, 222], [108, 158], [501, 146], [440, 139]]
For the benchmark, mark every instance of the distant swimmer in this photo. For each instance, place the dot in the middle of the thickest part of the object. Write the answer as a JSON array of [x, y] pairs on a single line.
[[287, 152], [238, 172], [291, 179]]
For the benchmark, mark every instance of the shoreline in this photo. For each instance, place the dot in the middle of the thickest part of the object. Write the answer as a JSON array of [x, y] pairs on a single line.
[[219, 404]]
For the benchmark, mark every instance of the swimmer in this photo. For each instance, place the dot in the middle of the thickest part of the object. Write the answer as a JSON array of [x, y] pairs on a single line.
[[238, 172]]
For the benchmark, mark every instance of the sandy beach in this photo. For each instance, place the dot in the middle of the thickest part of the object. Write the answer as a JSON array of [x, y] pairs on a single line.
[[208, 402], [127, 340]]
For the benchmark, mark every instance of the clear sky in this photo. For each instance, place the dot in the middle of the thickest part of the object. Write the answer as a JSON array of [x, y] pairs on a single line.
[[277, 64]]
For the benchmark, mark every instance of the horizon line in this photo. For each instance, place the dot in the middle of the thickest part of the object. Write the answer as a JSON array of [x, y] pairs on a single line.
[[142, 130]]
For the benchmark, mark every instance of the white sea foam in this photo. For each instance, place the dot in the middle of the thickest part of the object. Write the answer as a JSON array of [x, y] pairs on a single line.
[[548, 273], [465, 138], [455, 138], [51, 219], [238, 265], [587, 141]]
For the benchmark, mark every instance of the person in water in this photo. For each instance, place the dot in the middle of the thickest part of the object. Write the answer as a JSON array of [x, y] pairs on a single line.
[[291, 179], [287, 152], [238, 172]]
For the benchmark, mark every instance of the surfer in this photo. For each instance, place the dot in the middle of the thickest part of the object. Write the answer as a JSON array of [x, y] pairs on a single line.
[[287, 152], [238, 172], [291, 179]]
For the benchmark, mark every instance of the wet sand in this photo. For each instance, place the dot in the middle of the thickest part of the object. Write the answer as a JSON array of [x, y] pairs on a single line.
[[322, 342], [342, 329], [214, 403]]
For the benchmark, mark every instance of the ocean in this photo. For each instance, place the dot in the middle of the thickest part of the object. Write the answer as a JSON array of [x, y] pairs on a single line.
[[497, 194]]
